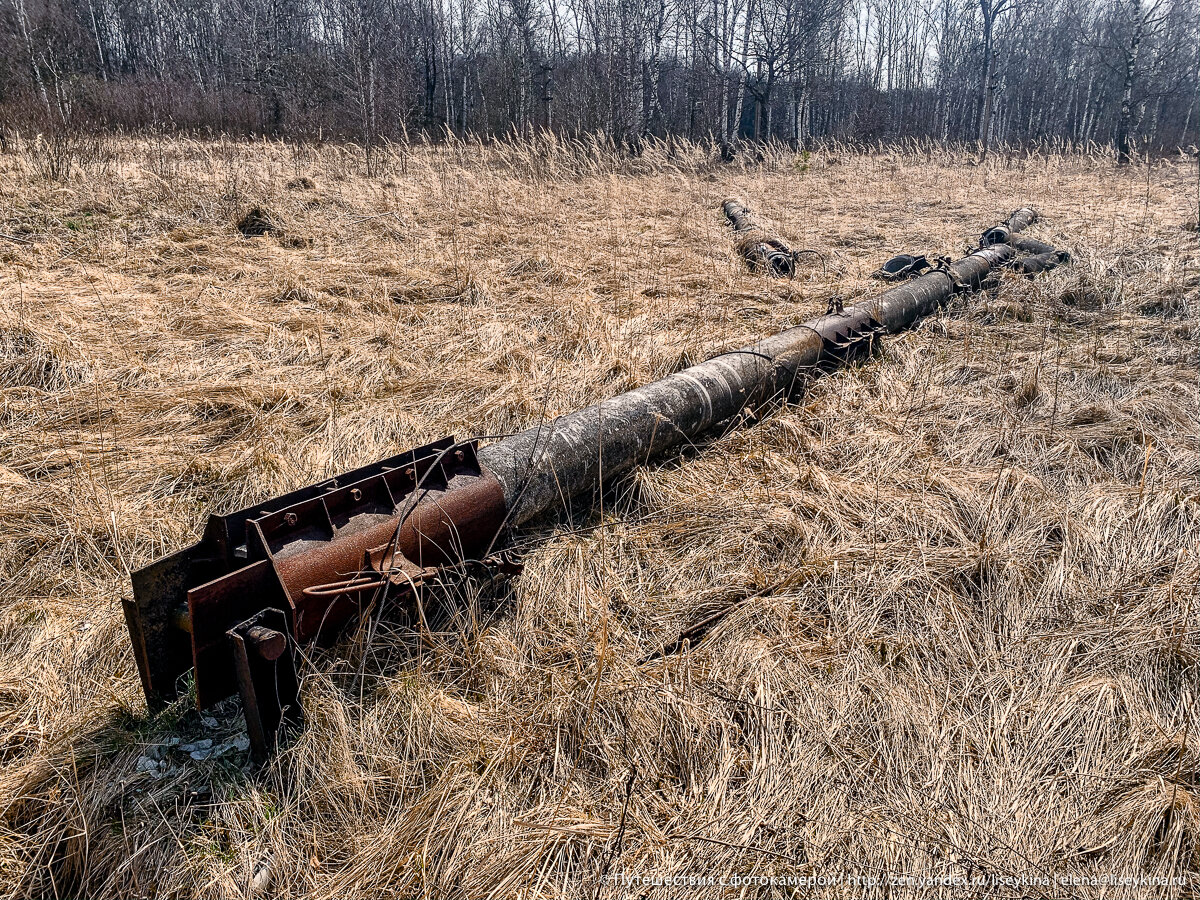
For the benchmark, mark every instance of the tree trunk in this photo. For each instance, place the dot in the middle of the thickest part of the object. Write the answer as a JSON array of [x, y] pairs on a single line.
[[23, 21], [99, 44], [989, 65], [1124, 123], [740, 96]]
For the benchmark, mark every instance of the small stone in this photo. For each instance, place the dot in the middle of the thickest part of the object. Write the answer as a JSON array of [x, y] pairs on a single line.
[[198, 749], [153, 767], [239, 743], [209, 722]]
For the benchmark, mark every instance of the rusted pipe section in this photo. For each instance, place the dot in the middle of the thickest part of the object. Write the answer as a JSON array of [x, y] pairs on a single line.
[[1033, 256], [1004, 231], [316, 555], [763, 251], [1023, 244], [901, 267], [1041, 262]]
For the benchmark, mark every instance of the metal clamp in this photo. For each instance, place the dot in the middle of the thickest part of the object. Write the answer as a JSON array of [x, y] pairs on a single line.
[[900, 267]]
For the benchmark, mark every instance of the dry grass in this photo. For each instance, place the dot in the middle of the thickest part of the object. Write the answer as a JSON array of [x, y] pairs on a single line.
[[961, 579]]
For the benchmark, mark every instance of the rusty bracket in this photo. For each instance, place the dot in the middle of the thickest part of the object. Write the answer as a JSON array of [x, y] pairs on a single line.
[[903, 266], [316, 556], [997, 234], [496, 567], [264, 657], [847, 335]]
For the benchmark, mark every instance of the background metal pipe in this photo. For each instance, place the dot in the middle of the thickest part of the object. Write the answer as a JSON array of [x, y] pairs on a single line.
[[545, 466], [763, 250], [1029, 245], [1040, 262], [1002, 233], [739, 215]]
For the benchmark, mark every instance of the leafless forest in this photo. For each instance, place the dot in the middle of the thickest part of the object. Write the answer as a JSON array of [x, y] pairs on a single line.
[[932, 615], [1020, 72]]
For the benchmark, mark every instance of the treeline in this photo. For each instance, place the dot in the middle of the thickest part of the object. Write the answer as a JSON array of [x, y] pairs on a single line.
[[1121, 72]]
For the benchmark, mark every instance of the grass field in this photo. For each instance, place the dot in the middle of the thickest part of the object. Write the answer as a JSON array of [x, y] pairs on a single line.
[[963, 635]]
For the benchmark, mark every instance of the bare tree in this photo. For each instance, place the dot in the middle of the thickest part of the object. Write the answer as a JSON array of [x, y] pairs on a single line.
[[1140, 19], [991, 10], [22, 19]]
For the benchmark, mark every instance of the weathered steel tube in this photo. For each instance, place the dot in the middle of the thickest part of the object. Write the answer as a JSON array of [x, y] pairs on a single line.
[[1041, 262], [545, 466], [1030, 245], [1002, 233]]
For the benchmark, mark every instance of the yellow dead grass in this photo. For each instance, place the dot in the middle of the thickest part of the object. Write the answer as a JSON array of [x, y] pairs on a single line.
[[971, 564]]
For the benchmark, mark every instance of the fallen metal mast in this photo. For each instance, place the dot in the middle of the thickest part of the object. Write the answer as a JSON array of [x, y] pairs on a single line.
[[233, 607]]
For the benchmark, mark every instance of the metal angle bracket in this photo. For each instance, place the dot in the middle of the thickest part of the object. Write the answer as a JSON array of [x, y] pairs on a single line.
[[847, 337], [305, 554], [264, 658], [903, 266]]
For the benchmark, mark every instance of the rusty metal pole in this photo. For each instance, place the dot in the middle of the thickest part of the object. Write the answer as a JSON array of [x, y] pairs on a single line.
[[233, 607], [762, 250]]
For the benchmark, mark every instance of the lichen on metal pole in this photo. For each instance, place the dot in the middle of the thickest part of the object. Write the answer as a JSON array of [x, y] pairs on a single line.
[[544, 466]]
